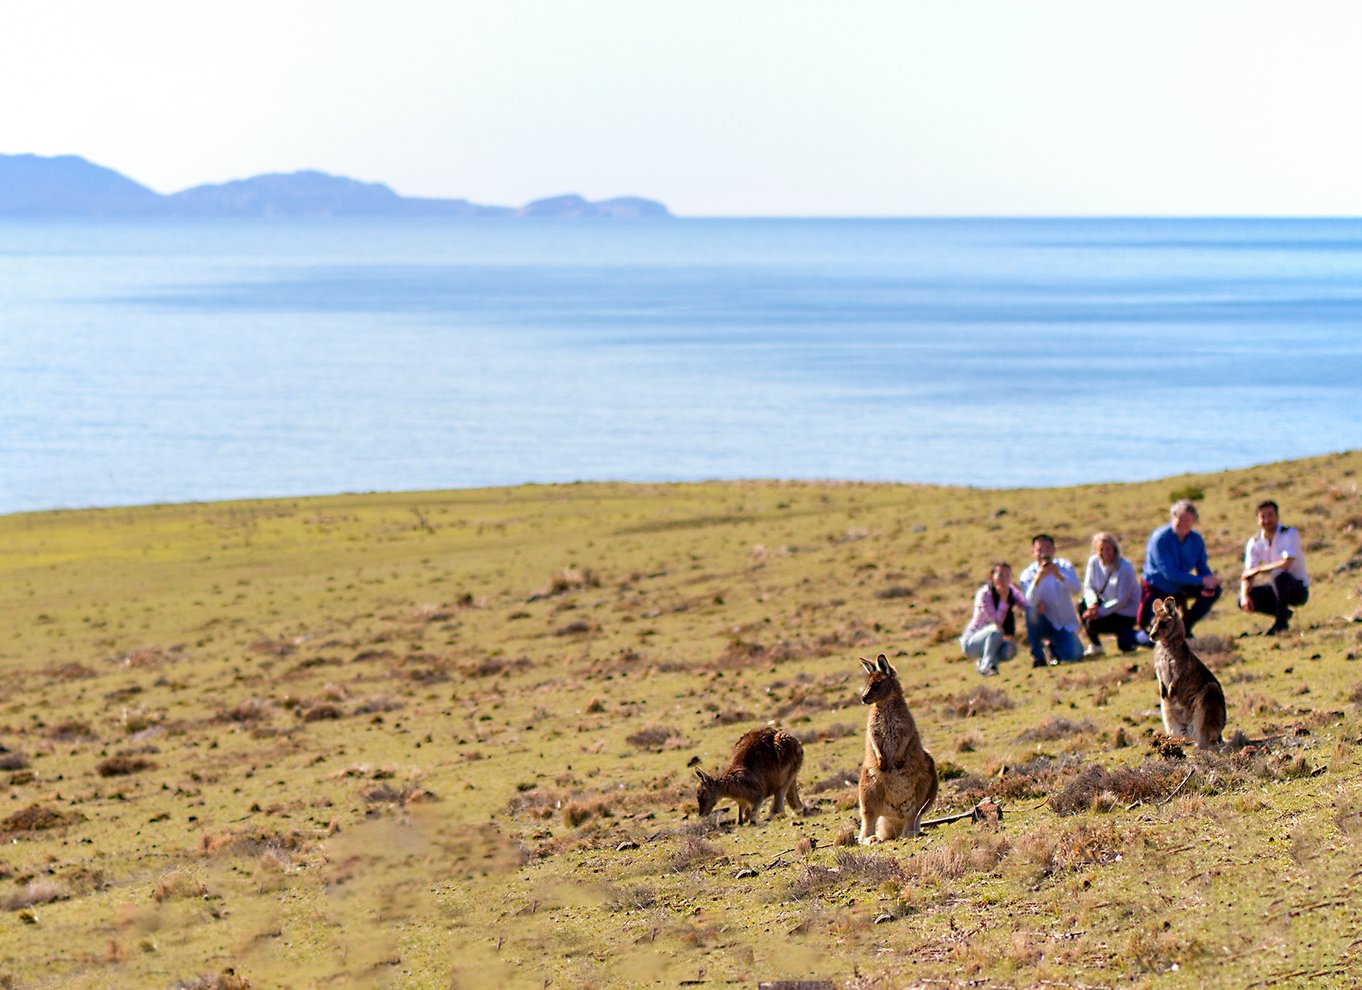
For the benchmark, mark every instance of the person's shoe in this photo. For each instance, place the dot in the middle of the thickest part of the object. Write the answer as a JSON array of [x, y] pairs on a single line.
[[1142, 639], [988, 672], [1037, 662], [1094, 650], [1276, 629]]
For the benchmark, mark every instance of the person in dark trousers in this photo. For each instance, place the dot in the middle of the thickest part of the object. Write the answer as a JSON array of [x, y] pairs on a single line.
[[1275, 579], [1111, 596], [1175, 566]]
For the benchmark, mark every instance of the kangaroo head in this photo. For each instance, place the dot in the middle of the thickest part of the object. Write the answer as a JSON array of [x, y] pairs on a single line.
[[708, 793], [1167, 624], [881, 680]]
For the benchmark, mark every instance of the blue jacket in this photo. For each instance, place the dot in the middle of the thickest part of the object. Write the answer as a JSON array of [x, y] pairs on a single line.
[[1175, 566]]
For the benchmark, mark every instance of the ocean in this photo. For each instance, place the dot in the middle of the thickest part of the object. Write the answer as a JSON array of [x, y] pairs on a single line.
[[147, 362]]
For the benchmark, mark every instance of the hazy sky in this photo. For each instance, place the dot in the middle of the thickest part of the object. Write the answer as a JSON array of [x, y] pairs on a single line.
[[736, 107]]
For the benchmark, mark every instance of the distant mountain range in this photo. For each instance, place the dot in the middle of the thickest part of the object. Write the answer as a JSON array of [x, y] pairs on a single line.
[[68, 186]]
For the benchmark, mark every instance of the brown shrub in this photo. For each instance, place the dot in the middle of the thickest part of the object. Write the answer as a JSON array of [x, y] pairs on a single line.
[[121, 766], [249, 710], [70, 730], [13, 760], [36, 818]]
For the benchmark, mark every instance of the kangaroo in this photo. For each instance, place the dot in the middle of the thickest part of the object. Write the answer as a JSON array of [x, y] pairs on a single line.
[[1190, 697], [898, 776], [765, 762]]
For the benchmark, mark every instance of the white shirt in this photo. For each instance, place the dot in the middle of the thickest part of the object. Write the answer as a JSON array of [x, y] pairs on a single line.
[[1286, 542], [1055, 594], [1116, 591]]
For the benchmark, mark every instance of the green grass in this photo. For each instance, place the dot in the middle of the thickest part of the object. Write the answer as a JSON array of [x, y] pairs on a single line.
[[444, 739]]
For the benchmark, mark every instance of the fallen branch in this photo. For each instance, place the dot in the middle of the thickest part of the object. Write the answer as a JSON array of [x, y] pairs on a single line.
[[984, 811]]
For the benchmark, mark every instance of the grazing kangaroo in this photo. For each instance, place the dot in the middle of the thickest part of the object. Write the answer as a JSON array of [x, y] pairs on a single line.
[[898, 776], [1190, 697], [765, 762]]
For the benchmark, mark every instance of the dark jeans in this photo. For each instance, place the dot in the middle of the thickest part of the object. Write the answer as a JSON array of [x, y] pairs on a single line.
[[1277, 598], [1122, 626], [1191, 603]]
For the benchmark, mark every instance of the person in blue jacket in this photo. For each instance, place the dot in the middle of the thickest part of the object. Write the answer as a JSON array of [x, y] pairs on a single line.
[[1175, 566]]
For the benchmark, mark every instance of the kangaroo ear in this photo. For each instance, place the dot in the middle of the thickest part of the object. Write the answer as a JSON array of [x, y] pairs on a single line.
[[1170, 605], [869, 667], [704, 777], [882, 662], [1159, 606]]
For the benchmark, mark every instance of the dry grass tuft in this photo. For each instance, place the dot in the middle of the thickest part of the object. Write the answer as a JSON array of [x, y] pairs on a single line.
[[1056, 850], [13, 760], [658, 737], [813, 879], [692, 852], [873, 866], [177, 885], [1151, 780], [969, 742], [979, 701], [577, 811], [228, 979], [1056, 727], [631, 897], [34, 892]]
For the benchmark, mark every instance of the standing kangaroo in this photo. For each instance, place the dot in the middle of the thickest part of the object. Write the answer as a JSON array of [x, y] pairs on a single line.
[[898, 776], [1190, 697], [765, 762]]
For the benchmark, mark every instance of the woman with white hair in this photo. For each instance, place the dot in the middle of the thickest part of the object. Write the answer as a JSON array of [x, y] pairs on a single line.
[[1111, 596]]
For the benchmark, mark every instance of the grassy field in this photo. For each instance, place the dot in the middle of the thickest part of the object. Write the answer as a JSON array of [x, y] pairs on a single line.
[[446, 739]]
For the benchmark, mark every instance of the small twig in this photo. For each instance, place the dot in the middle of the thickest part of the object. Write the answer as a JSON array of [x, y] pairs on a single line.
[[1179, 787], [1297, 912], [776, 862]]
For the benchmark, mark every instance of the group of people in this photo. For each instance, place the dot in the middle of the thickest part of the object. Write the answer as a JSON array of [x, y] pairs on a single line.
[[1113, 601]]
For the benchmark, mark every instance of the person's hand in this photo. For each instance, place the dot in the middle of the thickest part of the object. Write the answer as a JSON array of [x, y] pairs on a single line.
[[1040, 608], [1210, 582], [1245, 602], [1250, 572], [1090, 613]]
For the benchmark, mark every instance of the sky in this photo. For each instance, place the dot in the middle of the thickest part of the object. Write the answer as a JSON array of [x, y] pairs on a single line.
[[732, 108]]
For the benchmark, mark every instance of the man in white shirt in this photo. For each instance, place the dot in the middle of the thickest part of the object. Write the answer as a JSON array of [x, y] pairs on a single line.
[[1049, 584], [1274, 578]]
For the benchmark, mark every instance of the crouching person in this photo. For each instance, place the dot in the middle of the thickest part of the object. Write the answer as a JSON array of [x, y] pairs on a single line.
[[1049, 584], [1274, 578], [1111, 596], [989, 637]]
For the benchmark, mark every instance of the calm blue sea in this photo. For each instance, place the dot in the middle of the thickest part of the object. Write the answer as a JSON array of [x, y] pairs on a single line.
[[151, 362]]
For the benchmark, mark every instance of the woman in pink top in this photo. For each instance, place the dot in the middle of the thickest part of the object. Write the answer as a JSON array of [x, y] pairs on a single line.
[[989, 635]]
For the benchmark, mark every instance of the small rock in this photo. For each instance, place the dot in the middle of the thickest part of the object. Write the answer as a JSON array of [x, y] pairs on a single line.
[[745, 873], [28, 916], [883, 919], [626, 845]]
